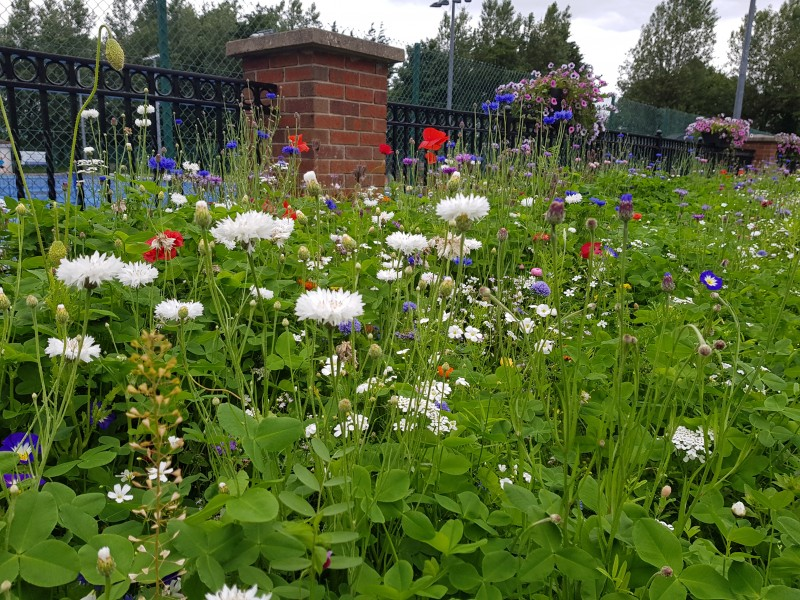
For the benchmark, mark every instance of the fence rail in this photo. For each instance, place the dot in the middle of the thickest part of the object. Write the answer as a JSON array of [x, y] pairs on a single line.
[[475, 130], [44, 93]]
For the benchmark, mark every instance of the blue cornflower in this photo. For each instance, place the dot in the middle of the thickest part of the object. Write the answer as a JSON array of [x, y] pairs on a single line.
[[549, 120], [540, 288], [203, 173], [263, 135], [272, 95], [162, 163], [347, 327], [178, 121], [442, 405], [232, 145], [330, 203], [467, 261], [611, 251], [290, 150], [626, 197], [711, 281], [407, 306], [598, 202], [761, 253]]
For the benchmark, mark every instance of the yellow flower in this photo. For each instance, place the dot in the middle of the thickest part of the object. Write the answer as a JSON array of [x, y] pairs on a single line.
[[627, 286], [506, 362]]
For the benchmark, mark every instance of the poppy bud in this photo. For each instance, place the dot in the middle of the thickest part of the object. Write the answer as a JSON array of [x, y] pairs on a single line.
[[666, 491], [591, 224], [667, 284], [704, 350], [555, 213]]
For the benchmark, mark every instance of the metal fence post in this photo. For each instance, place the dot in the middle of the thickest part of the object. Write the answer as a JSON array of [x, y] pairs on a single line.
[[165, 108]]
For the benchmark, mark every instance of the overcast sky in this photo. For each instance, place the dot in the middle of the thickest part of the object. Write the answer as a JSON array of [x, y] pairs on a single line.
[[605, 31]]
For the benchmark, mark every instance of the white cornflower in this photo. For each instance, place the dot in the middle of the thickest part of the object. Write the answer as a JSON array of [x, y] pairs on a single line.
[[473, 334], [543, 310], [329, 306], [134, 275], [178, 199], [332, 365], [526, 202], [234, 593], [87, 272], [281, 230], [389, 275], [90, 113], [573, 198], [74, 349], [191, 167], [142, 122], [160, 472], [88, 150], [145, 108], [246, 229], [261, 292], [382, 218], [454, 332], [452, 247], [472, 208], [175, 310], [120, 493], [350, 424], [406, 243]]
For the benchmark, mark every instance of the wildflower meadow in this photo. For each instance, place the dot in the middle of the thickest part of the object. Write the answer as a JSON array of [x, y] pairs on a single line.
[[530, 370]]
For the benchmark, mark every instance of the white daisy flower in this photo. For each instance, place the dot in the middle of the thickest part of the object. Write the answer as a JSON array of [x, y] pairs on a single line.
[[261, 292], [406, 243], [234, 593], [76, 348], [329, 306], [473, 208], [473, 334], [134, 275], [87, 272], [175, 310], [245, 229]]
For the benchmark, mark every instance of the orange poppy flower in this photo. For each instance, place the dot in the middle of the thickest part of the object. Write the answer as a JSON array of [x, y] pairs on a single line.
[[432, 139], [444, 372], [431, 158], [308, 284], [297, 142], [637, 216]]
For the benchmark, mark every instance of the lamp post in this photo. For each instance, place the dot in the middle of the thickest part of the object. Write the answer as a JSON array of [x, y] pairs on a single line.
[[737, 104], [439, 4]]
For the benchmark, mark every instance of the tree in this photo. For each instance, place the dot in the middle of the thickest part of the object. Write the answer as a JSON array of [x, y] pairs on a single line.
[[21, 29], [498, 36], [678, 33], [462, 34], [547, 41], [65, 27]]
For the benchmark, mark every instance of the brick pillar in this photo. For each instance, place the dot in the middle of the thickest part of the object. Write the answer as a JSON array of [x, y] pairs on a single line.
[[337, 85], [765, 146]]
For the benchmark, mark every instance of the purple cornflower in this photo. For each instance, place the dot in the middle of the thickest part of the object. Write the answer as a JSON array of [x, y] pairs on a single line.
[[407, 306], [407, 161], [232, 145], [348, 327], [681, 192], [161, 163], [667, 284], [540, 288]]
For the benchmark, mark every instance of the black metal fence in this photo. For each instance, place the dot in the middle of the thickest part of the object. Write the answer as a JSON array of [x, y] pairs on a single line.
[[475, 131], [43, 94]]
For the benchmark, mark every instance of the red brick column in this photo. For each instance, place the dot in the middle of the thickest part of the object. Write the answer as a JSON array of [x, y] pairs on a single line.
[[765, 146], [333, 91]]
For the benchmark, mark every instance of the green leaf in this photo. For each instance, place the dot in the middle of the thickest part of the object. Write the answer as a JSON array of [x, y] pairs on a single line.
[[121, 550], [35, 516], [657, 545], [8, 461], [256, 505], [499, 566], [97, 460], [577, 564], [746, 536], [210, 571], [297, 563], [276, 434], [296, 503], [745, 579], [705, 583], [320, 449], [400, 576], [9, 566], [392, 485], [454, 463], [235, 422], [463, 576], [780, 592], [306, 477], [78, 522], [666, 588], [49, 563], [418, 526]]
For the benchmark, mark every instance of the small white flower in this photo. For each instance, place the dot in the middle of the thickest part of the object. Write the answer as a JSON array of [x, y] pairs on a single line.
[[261, 292], [175, 442], [543, 310], [473, 334], [126, 476], [574, 198], [120, 493], [143, 109], [178, 199], [389, 275], [234, 593], [88, 150], [76, 348], [505, 481], [142, 122], [175, 310], [160, 472], [350, 424], [738, 509], [602, 323], [527, 325], [90, 113], [544, 346], [454, 332], [311, 430]]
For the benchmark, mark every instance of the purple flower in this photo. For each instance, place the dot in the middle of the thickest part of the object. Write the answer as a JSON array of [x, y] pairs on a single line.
[[161, 163], [710, 280], [407, 306], [467, 261], [330, 204], [103, 422], [667, 284], [699, 216], [178, 121], [347, 327], [232, 145], [25, 445], [263, 135], [597, 201], [290, 150], [11, 478], [442, 405], [540, 288]]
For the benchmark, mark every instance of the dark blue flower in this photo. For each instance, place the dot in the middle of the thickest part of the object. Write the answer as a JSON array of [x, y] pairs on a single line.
[[232, 145], [467, 261], [25, 445], [711, 281], [611, 251], [161, 163], [263, 135], [761, 253], [203, 173], [290, 150], [347, 327], [330, 204], [597, 201], [178, 121], [540, 288], [407, 306], [103, 422], [272, 95]]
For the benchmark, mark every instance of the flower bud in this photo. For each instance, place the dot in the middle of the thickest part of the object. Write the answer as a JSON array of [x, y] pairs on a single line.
[[312, 185], [56, 252], [484, 292], [667, 284], [62, 316], [215, 401], [555, 213], [115, 55], [738, 509], [719, 345], [118, 244], [704, 350], [348, 243], [625, 208], [223, 488], [183, 313], [345, 405], [301, 217], [629, 339], [32, 301], [277, 305], [591, 223], [105, 563], [5, 303], [666, 491], [374, 351], [202, 216], [357, 266], [13, 490], [21, 210], [502, 234], [303, 253], [463, 223], [446, 287], [285, 322], [5, 586], [666, 571]]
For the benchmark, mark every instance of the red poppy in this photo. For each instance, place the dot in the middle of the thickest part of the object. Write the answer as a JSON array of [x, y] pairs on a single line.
[[163, 246], [385, 149], [289, 211], [431, 158], [432, 139], [585, 249], [723, 171], [637, 216], [297, 142], [444, 372]]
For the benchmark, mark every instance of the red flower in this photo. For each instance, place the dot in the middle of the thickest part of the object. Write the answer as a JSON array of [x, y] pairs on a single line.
[[385, 149], [309, 285], [297, 142], [163, 246], [431, 158], [289, 211], [541, 237], [585, 249], [637, 216], [432, 139]]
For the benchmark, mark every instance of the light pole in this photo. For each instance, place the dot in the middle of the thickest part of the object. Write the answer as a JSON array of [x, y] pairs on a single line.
[[439, 4], [737, 104]]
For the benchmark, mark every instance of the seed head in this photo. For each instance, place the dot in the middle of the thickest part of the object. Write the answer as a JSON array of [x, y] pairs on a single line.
[[704, 350]]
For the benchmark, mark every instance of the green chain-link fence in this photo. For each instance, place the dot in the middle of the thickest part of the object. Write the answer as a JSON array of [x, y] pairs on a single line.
[[422, 80]]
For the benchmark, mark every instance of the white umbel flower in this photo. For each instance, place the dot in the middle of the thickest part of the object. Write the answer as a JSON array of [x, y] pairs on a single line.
[[406, 243], [473, 208], [234, 593], [87, 272], [134, 275], [76, 348], [329, 306], [175, 310], [246, 229]]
